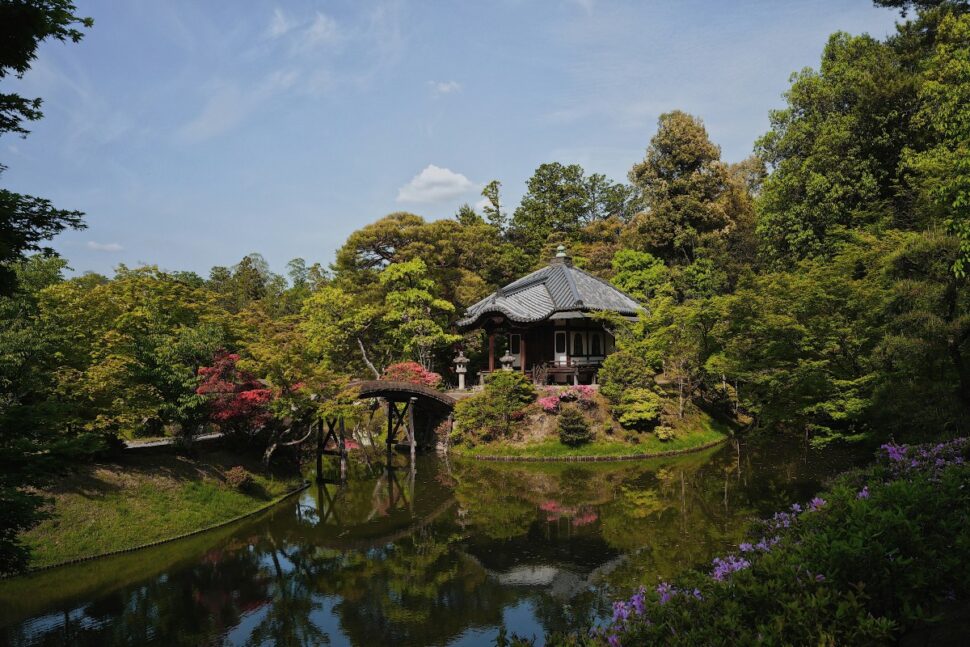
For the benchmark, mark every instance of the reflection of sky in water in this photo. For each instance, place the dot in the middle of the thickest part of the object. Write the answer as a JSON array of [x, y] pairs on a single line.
[[444, 557]]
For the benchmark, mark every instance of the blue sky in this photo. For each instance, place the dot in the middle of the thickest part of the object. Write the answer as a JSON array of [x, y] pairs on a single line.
[[193, 133]]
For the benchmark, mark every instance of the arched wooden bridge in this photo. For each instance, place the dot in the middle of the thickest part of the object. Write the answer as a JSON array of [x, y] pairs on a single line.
[[397, 391]]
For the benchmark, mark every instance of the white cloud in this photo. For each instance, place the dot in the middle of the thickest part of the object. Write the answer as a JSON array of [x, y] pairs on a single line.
[[304, 35], [103, 247], [279, 24], [228, 105], [444, 87], [481, 204], [322, 31], [434, 184]]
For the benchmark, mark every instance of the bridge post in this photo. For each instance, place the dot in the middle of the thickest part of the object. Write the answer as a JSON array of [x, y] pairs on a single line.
[[319, 478], [391, 410], [343, 451], [412, 433]]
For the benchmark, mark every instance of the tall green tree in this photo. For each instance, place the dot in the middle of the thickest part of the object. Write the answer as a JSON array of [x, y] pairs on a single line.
[[26, 221], [683, 185], [560, 200], [835, 151], [418, 318]]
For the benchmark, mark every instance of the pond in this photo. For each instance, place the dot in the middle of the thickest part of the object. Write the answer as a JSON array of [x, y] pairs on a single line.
[[444, 555]]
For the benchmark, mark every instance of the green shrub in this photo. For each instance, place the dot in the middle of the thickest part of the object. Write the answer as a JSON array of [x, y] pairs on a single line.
[[664, 433], [622, 371], [573, 427], [639, 409], [494, 412], [238, 478], [511, 388]]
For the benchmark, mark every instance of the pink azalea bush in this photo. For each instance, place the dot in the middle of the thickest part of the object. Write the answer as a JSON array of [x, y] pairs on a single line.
[[583, 395], [412, 372]]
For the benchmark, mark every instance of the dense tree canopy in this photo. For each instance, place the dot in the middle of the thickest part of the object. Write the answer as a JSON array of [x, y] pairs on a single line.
[[817, 288]]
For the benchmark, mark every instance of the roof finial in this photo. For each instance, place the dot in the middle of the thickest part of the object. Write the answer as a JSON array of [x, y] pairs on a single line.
[[561, 251]]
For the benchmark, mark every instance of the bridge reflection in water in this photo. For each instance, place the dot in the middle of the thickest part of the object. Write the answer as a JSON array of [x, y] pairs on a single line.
[[441, 555]]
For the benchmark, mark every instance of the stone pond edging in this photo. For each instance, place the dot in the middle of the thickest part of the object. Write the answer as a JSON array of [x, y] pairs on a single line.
[[592, 459], [158, 542]]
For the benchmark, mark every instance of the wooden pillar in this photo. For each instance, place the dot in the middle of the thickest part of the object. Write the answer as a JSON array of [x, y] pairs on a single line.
[[491, 351], [569, 345], [412, 432], [319, 478], [343, 451], [522, 351], [391, 410]]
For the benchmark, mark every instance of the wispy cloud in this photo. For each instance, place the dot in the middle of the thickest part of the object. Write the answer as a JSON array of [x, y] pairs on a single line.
[[439, 88], [434, 184], [227, 105], [279, 24], [323, 30], [103, 247]]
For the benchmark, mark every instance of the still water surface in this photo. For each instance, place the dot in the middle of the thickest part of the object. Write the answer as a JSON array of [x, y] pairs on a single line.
[[443, 556]]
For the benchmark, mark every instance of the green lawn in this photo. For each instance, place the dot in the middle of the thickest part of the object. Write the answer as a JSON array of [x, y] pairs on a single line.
[[698, 431], [110, 506]]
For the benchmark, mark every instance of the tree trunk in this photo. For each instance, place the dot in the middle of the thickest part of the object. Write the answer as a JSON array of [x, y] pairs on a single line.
[[963, 373], [363, 353]]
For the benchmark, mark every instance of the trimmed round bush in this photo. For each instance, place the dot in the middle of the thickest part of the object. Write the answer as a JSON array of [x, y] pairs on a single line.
[[239, 479], [573, 427]]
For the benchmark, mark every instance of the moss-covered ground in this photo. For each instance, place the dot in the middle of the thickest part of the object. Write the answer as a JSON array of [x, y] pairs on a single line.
[[140, 499]]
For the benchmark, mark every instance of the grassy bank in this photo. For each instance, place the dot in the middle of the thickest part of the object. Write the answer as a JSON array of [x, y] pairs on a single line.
[[141, 499], [698, 430]]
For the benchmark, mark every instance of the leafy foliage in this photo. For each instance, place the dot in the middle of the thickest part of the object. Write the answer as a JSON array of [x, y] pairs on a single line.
[[412, 372], [573, 427], [879, 555], [493, 412], [237, 400]]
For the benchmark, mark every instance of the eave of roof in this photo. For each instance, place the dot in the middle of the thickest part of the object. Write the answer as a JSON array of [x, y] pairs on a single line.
[[547, 291]]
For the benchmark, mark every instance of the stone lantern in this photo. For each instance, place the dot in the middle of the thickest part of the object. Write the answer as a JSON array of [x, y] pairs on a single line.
[[461, 367], [507, 360]]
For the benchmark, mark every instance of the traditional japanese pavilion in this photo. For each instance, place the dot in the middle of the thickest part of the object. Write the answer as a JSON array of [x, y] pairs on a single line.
[[543, 322]]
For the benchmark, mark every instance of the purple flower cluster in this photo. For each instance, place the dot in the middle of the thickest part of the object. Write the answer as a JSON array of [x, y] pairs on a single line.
[[727, 565], [863, 493], [667, 592], [816, 504], [904, 460], [764, 545]]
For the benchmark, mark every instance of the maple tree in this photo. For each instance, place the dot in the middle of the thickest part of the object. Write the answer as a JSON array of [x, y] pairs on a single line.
[[238, 402]]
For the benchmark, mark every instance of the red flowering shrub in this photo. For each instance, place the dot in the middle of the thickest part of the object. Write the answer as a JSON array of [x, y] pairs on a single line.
[[412, 372], [237, 400]]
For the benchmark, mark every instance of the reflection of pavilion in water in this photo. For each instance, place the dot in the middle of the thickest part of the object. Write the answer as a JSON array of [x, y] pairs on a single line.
[[562, 553]]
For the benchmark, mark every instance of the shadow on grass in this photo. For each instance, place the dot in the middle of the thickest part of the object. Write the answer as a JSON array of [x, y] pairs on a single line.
[[111, 477]]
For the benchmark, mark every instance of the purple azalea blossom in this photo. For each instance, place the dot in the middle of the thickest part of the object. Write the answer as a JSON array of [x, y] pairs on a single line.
[[894, 452], [638, 601], [726, 566], [816, 504], [620, 611]]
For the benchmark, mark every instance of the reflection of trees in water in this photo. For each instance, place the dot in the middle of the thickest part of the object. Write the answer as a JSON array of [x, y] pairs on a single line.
[[288, 616], [189, 607], [419, 590], [416, 572]]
